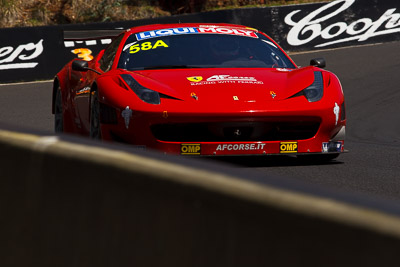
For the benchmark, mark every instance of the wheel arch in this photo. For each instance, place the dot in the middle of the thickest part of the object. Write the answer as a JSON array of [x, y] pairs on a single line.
[[94, 87]]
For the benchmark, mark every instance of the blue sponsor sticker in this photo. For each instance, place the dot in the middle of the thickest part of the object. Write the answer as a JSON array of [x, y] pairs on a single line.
[[165, 32], [332, 147]]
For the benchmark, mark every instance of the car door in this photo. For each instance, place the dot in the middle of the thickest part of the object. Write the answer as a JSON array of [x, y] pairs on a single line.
[[82, 91]]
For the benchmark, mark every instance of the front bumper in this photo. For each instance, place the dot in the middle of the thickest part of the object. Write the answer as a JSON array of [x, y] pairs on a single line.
[[292, 126], [327, 137], [253, 148]]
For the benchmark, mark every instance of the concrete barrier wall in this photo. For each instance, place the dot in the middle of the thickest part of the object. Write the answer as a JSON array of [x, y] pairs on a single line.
[[66, 203]]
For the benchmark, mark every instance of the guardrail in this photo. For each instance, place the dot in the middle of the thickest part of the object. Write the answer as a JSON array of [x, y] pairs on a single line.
[[66, 201], [40, 52]]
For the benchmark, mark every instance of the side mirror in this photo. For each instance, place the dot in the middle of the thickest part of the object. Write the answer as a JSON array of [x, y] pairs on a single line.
[[318, 62], [80, 65]]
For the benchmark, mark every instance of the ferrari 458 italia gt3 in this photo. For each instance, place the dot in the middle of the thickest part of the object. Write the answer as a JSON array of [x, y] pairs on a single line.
[[209, 90]]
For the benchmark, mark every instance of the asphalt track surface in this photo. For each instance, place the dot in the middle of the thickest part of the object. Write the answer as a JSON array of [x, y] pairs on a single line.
[[370, 76]]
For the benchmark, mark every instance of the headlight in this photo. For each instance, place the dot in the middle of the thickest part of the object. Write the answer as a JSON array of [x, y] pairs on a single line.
[[145, 94], [315, 91]]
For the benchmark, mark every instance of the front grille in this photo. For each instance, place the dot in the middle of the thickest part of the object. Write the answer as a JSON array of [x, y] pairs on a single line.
[[235, 131]]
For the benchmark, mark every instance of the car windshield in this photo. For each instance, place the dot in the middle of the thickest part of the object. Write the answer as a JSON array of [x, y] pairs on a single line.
[[209, 50]]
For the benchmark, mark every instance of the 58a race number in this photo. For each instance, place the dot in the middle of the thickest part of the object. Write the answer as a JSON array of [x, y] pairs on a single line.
[[146, 46]]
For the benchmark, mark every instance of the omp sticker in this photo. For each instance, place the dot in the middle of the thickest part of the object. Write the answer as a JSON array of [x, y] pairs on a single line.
[[191, 30], [288, 147], [190, 149], [195, 78], [83, 53], [239, 147], [146, 46]]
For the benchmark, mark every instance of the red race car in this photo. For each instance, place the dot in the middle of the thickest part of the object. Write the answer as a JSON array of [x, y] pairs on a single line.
[[194, 89]]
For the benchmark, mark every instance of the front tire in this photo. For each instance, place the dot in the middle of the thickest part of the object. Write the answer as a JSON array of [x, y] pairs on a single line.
[[95, 130], [58, 112]]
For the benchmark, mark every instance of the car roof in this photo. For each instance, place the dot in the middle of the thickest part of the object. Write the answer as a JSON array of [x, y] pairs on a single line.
[[184, 25]]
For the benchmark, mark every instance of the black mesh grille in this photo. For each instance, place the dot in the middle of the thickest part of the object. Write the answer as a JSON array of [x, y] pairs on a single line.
[[343, 117], [238, 131]]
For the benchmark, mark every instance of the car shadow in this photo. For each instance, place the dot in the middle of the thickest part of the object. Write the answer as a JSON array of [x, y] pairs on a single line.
[[272, 161]]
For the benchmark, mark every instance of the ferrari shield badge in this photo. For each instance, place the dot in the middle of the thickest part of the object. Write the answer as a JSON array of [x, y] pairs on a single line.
[[272, 93], [127, 114], [195, 79]]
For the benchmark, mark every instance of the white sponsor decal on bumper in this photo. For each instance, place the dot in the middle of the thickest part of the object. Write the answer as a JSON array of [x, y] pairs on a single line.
[[239, 147]]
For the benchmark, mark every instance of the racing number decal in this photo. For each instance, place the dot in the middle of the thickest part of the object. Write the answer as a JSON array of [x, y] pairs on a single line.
[[83, 53], [146, 46], [190, 149]]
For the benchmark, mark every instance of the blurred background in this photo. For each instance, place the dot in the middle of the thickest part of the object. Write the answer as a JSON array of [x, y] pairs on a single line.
[[21, 13]]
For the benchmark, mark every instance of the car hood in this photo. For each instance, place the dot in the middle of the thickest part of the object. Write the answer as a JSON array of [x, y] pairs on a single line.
[[249, 85]]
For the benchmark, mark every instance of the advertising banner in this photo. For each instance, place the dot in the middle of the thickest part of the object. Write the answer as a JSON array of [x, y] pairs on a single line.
[[28, 54], [336, 24]]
